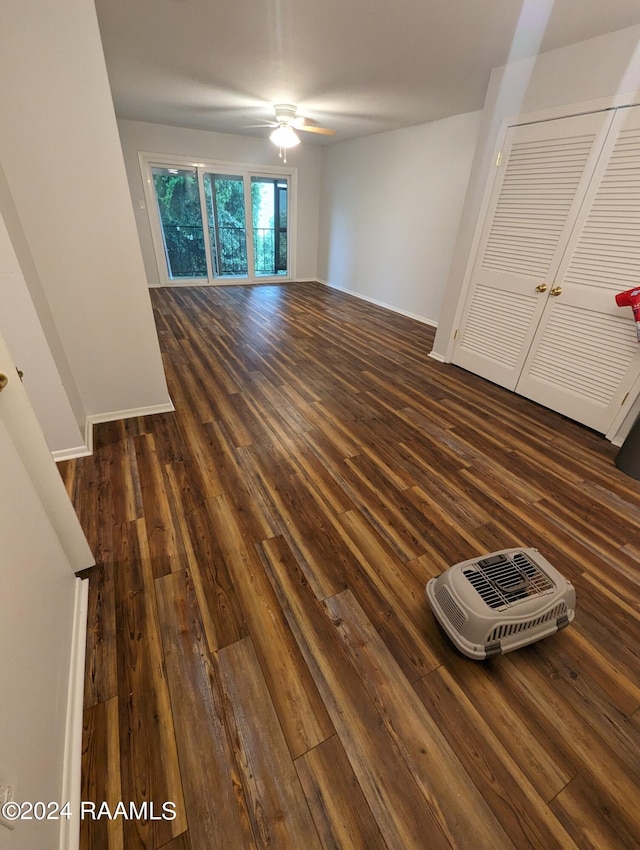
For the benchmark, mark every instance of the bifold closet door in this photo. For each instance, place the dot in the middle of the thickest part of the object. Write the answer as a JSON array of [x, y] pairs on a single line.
[[585, 357], [540, 185]]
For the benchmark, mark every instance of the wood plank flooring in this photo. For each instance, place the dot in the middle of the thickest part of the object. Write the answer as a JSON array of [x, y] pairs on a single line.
[[260, 651]]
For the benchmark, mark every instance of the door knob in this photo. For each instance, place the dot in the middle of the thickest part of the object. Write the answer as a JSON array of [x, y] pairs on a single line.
[[541, 287], [557, 290], [3, 381]]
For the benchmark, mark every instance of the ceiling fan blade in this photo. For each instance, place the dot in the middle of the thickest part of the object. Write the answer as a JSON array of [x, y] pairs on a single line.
[[286, 116], [310, 128]]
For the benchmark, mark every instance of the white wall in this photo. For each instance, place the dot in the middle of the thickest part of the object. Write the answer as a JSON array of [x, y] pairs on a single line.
[[589, 70], [36, 624], [40, 687], [61, 154], [199, 144], [22, 330], [389, 212]]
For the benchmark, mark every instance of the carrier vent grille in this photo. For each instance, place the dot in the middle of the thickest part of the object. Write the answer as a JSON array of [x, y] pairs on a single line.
[[506, 629], [502, 580], [452, 611]]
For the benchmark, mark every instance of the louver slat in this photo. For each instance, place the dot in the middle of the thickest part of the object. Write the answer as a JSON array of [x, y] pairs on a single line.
[[509, 316], [533, 205], [584, 356], [539, 184], [608, 251], [594, 351]]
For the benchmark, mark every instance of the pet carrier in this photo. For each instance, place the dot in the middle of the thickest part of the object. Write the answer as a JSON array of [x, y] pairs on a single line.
[[500, 602]]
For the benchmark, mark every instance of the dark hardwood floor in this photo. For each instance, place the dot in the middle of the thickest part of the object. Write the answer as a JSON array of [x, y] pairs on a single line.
[[260, 650]]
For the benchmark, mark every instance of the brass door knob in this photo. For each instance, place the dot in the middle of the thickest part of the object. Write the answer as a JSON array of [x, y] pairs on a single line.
[[557, 290], [3, 381], [541, 287]]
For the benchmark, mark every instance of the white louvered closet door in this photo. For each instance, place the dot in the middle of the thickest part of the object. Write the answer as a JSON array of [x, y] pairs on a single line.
[[585, 357], [540, 185]]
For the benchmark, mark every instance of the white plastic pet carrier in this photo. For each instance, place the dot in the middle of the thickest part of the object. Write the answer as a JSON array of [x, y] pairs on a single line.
[[501, 601]]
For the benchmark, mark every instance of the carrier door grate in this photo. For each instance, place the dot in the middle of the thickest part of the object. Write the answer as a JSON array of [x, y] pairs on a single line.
[[501, 580]]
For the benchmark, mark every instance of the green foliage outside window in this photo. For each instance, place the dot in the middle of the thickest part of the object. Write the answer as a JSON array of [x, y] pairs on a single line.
[[178, 197], [179, 207]]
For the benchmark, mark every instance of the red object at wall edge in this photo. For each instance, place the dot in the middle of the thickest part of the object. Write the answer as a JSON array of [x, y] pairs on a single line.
[[631, 298]]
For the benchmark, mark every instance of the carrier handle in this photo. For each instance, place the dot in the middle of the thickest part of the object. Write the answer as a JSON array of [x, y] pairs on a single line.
[[511, 588]]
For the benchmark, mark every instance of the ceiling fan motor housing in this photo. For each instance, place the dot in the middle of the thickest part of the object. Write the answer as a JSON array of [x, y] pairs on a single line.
[[501, 602], [285, 113]]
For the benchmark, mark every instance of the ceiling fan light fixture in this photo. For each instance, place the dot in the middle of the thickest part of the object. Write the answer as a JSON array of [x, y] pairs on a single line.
[[284, 136]]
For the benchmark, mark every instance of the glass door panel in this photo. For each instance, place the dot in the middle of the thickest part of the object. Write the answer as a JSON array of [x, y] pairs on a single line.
[[269, 224], [178, 199], [224, 198], [219, 222]]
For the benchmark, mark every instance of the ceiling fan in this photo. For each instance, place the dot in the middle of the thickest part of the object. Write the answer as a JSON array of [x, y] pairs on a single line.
[[287, 122]]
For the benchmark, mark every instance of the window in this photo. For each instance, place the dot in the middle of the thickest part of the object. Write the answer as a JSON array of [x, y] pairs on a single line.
[[226, 220], [178, 204], [269, 211], [215, 223]]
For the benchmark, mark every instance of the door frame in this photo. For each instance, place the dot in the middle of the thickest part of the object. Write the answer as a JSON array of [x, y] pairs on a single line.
[[247, 170], [30, 443], [565, 111], [521, 284], [624, 420], [53, 519]]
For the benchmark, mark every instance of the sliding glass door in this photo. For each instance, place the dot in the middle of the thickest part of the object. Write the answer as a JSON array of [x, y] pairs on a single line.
[[215, 225], [226, 221], [269, 220], [178, 205]]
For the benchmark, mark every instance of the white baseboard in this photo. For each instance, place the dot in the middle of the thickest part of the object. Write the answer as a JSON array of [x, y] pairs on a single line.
[[71, 774], [378, 303], [436, 356], [70, 454], [114, 415]]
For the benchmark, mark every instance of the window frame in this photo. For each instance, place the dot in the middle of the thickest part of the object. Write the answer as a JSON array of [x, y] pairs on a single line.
[[148, 161]]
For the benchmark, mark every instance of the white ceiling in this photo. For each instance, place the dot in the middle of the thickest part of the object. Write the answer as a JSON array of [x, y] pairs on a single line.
[[359, 66]]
